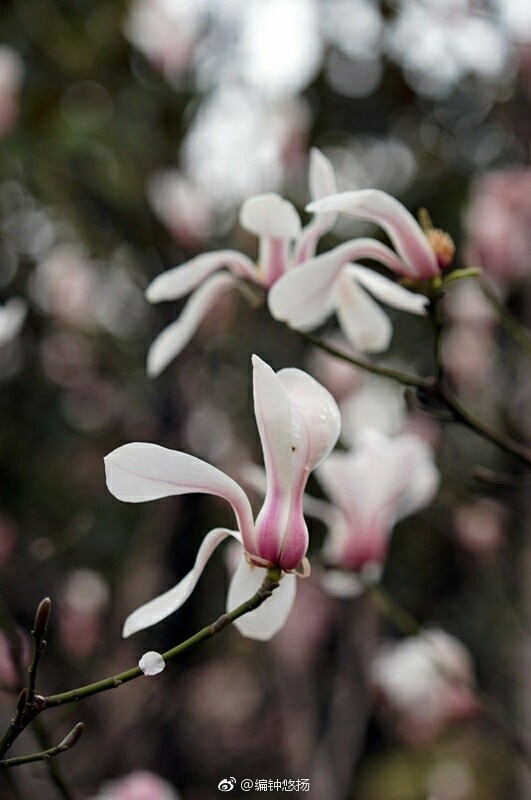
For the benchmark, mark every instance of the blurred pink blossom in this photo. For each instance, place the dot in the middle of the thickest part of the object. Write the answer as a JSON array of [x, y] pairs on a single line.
[[498, 224], [425, 682], [184, 208], [138, 785], [164, 31]]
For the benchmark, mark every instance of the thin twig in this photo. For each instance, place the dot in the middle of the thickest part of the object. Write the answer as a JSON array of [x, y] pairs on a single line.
[[466, 417], [68, 742], [27, 712], [385, 372]]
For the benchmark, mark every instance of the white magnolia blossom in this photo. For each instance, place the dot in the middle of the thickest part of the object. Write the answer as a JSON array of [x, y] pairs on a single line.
[[283, 243], [12, 316], [332, 283], [378, 482], [298, 422]]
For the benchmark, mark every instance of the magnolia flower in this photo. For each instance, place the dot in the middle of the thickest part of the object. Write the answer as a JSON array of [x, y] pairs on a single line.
[[298, 422], [330, 283], [373, 486], [427, 680], [422, 254], [282, 245]]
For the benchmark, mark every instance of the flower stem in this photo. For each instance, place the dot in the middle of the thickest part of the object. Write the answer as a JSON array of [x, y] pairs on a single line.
[[385, 372], [481, 427]]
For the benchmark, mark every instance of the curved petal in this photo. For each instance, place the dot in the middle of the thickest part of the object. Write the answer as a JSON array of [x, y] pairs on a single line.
[[304, 298], [181, 280], [270, 617], [322, 184], [389, 292], [172, 340], [366, 326], [141, 471], [319, 419], [401, 227], [273, 417], [165, 604]]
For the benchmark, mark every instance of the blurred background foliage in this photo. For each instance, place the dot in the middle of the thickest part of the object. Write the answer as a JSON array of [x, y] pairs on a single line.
[[131, 133]]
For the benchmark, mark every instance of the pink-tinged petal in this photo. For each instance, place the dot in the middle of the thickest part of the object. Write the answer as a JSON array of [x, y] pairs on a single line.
[[315, 429], [276, 222], [181, 280], [401, 227], [365, 325], [165, 604], [322, 184], [304, 297], [270, 617], [389, 292], [273, 418], [140, 471], [173, 339]]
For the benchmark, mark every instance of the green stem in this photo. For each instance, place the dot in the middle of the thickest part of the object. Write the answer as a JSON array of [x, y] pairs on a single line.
[[518, 332], [385, 372]]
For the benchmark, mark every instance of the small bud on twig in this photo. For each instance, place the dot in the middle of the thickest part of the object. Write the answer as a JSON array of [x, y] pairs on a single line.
[[42, 617], [72, 738]]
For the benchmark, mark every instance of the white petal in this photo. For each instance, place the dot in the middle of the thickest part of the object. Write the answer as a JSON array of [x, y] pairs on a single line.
[[176, 336], [151, 663], [165, 604], [270, 216], [140, 471], [304, 297], [322, 175], [366, 326], [322, 183], [318, 420], [389, 292], [181, 280], [271, 616], [401, 227]]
